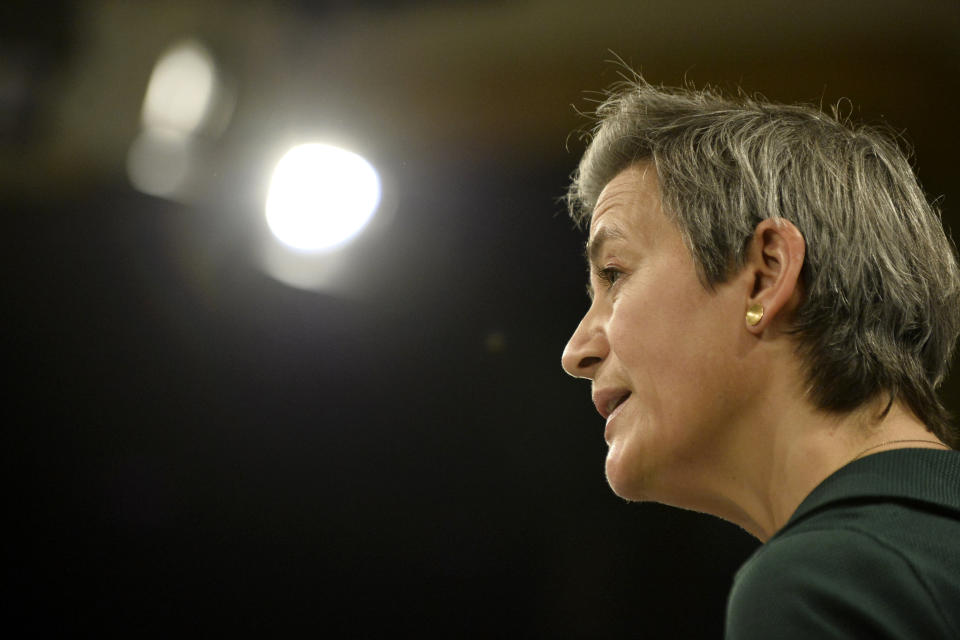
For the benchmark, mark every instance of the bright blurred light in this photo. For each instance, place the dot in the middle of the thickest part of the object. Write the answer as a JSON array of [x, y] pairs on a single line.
[[159, 162], [182, 89], [320, 197]]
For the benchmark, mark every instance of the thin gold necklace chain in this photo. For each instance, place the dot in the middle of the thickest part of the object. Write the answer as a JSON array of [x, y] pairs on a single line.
[[883, 444]]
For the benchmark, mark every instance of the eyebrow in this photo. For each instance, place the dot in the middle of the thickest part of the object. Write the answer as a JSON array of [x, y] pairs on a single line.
[[595, 244]]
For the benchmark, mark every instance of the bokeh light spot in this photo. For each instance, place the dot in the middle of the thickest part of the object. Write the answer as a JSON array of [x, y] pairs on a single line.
[[320, 197], [159, 161], [181, 89]]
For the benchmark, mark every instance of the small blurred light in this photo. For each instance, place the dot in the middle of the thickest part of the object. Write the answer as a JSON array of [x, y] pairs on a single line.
[[320, 197], [159, 162], [187, 105], [495, 342], [182, 89]]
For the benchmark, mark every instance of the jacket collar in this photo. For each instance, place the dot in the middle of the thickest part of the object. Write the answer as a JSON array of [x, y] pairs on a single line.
[[930, 476]]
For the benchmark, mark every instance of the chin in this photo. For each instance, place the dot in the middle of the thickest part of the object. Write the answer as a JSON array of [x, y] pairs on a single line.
[[625, 480]]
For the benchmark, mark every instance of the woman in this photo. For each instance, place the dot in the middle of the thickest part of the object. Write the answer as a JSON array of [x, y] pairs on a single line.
[[773, 306]]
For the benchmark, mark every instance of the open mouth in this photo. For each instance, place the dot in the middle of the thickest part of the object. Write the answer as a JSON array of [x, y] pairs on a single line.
[[616, 402]]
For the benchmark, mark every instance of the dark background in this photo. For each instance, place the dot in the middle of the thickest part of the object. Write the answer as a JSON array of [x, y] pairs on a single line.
[[192, 444]]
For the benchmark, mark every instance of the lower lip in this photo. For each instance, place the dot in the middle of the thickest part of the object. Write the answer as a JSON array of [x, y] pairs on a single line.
[[611, 418]]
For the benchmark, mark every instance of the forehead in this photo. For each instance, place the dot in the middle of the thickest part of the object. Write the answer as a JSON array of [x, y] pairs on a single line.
[[628, 204]]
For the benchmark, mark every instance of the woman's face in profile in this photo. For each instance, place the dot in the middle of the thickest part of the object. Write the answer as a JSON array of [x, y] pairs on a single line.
[[661, 351]]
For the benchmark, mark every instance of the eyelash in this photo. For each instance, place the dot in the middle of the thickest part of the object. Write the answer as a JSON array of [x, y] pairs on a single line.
[[609, 275]]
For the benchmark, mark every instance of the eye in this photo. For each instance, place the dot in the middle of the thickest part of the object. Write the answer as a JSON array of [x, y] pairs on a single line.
[[609, 275]]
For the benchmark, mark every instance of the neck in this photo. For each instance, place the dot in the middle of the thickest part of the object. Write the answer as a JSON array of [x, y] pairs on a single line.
[[805, 446]]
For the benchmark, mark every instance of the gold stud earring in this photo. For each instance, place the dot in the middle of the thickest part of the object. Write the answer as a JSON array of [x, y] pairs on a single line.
[[754, 314]]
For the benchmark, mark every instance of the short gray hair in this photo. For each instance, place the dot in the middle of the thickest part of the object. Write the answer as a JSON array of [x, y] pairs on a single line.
[[881, 311]]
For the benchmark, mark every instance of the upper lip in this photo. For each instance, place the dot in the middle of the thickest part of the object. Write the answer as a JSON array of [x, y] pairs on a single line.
[[608, 399]]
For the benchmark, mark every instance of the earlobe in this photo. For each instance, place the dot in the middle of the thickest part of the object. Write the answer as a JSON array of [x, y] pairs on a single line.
[[775, 259]]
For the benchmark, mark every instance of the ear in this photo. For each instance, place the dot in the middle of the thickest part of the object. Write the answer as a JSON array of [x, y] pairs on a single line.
[[774, 260]]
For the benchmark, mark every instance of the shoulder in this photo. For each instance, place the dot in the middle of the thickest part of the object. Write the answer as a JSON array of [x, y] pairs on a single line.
[[830, 583]]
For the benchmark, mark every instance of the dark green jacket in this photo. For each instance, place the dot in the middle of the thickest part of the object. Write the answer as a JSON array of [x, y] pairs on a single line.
[[872, 552]]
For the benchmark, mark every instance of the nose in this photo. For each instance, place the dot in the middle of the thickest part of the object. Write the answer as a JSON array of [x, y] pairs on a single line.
[[586, 349]]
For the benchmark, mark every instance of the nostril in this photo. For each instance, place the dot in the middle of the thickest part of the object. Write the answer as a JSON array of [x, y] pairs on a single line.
[[587, 362]]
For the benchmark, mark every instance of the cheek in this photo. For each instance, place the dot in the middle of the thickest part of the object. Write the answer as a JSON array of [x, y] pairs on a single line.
[[645, 336], [643, 347], [671, 348]]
